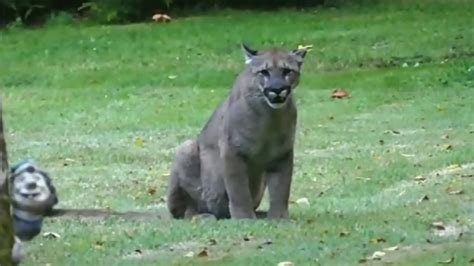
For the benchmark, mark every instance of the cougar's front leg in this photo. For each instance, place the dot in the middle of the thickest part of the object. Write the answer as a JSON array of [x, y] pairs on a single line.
[[236, 181], [279, 177]]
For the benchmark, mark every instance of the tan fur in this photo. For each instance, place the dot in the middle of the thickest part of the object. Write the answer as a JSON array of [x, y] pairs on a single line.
[[246, 145]]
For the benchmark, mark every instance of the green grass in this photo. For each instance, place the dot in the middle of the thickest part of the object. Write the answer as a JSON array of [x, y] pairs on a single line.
[[77, 97]]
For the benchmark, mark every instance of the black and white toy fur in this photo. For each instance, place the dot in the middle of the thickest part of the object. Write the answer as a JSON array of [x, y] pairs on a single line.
[[33, 197]]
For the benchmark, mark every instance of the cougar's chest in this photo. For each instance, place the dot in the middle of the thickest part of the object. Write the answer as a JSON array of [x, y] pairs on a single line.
[[271, 139]]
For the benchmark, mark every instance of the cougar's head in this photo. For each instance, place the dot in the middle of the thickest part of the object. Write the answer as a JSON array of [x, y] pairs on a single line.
[[276, 72]]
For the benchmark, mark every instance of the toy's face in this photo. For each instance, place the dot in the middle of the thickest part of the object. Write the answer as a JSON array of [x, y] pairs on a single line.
[[31, 189]]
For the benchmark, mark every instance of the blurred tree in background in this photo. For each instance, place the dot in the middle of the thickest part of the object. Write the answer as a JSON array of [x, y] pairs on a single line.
[[123, 11]]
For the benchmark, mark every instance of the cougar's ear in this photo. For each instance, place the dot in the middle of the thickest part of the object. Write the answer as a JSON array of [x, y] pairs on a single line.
[[299, 54], [249, 53]]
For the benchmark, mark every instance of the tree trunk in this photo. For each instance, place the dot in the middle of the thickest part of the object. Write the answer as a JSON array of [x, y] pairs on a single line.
[[6, 225]]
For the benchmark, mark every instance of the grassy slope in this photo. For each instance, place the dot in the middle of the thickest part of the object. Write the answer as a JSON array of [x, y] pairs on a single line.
[[77, 98]]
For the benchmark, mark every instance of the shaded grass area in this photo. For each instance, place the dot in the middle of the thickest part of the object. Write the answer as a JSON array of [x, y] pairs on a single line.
[[97, 107]]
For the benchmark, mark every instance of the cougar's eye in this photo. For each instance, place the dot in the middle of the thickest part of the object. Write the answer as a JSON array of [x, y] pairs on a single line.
[[264, 72], [286, 71]]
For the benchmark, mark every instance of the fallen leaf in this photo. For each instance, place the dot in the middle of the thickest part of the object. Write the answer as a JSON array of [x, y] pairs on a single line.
[[448, 261], [343, 233], [160, 18], [266, 243], [248, 238], [138, 251], [303, 202], [438, 226], [420, 178], [448, 147], [339, 94], [377, 255], [452, 191], [172, 76], [308, 47], [378, 240], [151, 191], [286, 263], [190, 254], [391, 248], [454, 167], [203, 253], [424, 198], [51, 235], [139, 142], [99, 244]]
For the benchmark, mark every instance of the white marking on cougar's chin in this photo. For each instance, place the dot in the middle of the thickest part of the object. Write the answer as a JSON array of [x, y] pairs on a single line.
[[275, 105]]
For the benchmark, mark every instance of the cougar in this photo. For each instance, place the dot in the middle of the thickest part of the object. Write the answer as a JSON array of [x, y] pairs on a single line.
[[245, 147]]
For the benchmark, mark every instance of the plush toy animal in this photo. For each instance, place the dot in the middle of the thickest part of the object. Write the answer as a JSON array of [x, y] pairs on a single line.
[[33, 196]]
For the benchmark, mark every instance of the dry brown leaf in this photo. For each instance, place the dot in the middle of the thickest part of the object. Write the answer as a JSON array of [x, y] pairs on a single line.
[[448, 261], [378, 240], [448, 147], [377, 255], [303, 202], [265, 243], [151, 191], [343, 233], [139, 142], [161, 18], [308, 47], [420, 178], [203, 253], [424, 198], [190, 254], [248, 238], [286, 263], [392, 131], [391, 248], [339, 94], [51, 235], [438, 225], [452, 191], [138, 251]]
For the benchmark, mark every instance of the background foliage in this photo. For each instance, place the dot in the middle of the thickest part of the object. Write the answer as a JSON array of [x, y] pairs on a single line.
[[122, 11]]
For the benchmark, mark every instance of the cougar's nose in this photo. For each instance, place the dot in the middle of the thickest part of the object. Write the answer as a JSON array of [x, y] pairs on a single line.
[[279, 91], [31, 185]]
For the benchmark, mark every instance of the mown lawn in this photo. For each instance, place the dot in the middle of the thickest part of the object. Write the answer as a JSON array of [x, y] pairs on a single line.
[[103, 108]]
